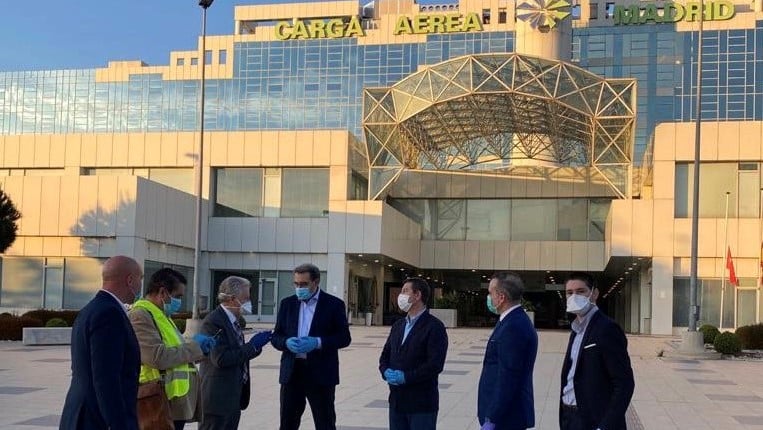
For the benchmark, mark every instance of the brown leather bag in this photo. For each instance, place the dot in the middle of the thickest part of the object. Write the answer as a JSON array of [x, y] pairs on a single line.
[[153, 407]]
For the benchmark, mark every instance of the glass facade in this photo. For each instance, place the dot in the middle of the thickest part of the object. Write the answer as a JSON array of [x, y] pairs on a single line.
[[740, 180], [507, 219]]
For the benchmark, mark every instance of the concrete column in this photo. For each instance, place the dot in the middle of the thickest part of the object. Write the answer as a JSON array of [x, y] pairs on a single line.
[[662, 295], [645, 302], [337, 273]]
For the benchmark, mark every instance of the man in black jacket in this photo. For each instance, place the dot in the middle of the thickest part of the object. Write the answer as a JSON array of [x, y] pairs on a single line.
[[597, 379], [411, 360]]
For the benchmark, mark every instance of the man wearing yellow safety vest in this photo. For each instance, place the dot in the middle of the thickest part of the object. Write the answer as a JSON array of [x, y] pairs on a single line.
[[164, 353]]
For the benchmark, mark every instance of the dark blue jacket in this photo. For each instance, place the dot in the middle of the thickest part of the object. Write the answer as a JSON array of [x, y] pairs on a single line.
[[105, 367], [421, 358], [506, 384], [603, 377], [329, 324]]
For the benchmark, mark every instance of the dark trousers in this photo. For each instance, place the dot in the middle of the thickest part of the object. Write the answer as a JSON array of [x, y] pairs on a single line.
[[572, 419], [179, 425], [420, 421], [220, 422], [293, 396]]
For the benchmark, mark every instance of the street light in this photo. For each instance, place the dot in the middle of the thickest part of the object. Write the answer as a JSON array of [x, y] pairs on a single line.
[[692, 341], [205, 4]]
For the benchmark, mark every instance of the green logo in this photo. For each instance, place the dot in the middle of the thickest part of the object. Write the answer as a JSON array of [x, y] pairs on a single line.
[[543, 14]]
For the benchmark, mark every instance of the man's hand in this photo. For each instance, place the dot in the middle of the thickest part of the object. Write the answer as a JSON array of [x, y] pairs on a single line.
[[261, 339], [306, 344], [388, 375], [206, 343], [394, 377], [292, 344]]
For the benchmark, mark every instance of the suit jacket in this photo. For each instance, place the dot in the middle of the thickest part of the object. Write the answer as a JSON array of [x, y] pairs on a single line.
[[105, 366], [603, 378], [329, 324], [506, 385], [421, 358], [155, 354], [223, 390]]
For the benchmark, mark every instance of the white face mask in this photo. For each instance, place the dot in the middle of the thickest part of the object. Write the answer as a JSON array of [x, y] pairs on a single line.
[[404, 302], [578, 304], [246, 308]]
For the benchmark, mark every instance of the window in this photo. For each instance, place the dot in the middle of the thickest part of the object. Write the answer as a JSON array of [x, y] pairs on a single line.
[[594, 11], [82, 278], [576, 11], [194, 61], [21, 285], [486, 16], [358, 187], [180, 62], [207, 57], [573, 219], [305, 192], [487, 219], [238, 192], [533, 219], [502, 15], [716, 179], [223, 56], [609, 10]]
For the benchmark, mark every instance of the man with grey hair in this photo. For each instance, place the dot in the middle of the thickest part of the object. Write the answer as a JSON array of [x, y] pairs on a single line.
[[505, 396], [225, 379]]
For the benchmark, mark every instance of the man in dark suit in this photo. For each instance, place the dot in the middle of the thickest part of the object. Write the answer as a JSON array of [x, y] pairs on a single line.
[[105, 355], [597, 379], [505, 397], [411, 360], [225, 378], [310, 329]]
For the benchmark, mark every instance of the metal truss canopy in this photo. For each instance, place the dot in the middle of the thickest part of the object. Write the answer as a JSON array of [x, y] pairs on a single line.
[[489, 111]]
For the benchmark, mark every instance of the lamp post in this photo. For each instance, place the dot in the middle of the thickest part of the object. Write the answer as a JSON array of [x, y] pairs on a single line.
[[692, 340], [199, 172]]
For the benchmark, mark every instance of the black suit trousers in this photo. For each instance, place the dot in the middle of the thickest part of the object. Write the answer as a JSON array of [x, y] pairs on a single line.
[[300, 388]]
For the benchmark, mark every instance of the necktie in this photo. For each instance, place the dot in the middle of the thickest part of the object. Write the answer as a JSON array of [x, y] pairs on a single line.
[[245, 366]]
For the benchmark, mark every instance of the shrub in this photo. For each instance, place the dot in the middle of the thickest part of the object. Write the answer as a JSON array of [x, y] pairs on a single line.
[[751, 336], [11, 327], [728, 343], [46, 315], [709, 332], [56, 322]]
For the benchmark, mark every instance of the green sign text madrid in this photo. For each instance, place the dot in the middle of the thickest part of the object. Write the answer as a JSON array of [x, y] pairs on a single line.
[[717, 10]]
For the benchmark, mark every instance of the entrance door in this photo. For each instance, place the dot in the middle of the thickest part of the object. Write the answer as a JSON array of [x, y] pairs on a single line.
[[266, 300]]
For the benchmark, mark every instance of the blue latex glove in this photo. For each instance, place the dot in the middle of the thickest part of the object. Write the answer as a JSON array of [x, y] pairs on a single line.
[[292, 344], [206, 343], [307, 344], [388, 375], [488, 426], [261, 339], [397, 377]]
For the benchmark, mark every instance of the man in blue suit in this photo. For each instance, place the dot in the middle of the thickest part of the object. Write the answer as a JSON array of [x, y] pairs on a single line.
[[310, 329], [505, 397], [105, 355], [597, 378], [412, 359]]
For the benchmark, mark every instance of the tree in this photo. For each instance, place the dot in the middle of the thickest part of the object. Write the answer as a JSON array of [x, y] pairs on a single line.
[[8, 217]]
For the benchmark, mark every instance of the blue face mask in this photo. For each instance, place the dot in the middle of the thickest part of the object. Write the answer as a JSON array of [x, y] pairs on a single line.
[[303, 293], [491, 307], [173, 306]]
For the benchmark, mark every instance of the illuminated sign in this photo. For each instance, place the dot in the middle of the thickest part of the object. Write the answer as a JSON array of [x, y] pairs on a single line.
[[450, 23], [319, 29], [719, 10]]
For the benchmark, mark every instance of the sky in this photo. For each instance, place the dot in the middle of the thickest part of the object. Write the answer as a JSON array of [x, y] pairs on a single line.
[[83, 34]]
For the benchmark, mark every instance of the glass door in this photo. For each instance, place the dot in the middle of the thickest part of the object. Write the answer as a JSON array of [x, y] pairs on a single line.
[[747, 306], [266, 300]]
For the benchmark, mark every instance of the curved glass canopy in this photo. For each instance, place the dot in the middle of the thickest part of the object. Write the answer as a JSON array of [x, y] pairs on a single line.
[[498, 112]]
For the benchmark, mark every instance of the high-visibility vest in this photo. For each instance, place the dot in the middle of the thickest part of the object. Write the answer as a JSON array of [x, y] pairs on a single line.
[[176, 380]]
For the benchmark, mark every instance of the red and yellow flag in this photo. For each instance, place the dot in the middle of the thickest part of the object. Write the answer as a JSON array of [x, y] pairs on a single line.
[[730, 266]]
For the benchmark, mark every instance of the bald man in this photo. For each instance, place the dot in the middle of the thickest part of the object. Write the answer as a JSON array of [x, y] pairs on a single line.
[[105, 355]]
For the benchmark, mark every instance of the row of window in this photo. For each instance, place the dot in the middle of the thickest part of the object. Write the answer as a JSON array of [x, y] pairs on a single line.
[[747, 302], [222, 58], [508, 219], [739, 184]]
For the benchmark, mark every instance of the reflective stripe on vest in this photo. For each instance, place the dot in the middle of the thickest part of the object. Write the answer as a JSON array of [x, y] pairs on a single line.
[[177, 379]]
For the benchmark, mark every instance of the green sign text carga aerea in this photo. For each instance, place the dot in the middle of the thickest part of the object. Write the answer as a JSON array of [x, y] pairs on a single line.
[[719, 10], [449, 23], [319, 29]]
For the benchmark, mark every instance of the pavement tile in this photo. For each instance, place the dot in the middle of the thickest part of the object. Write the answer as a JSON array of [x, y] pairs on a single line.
[[733, 398], [44, 421], [754, 420]]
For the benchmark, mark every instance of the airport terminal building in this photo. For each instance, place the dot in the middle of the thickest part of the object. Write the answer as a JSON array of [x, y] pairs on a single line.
[[395, 139]]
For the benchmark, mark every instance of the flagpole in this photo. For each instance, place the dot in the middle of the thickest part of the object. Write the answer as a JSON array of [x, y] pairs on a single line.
[[760, 261], [725, 257]]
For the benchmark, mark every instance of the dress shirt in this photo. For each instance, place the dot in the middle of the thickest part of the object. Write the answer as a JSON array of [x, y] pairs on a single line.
[[579, 326], [506, 312], [122, 305], [306, 313], [410, 322]]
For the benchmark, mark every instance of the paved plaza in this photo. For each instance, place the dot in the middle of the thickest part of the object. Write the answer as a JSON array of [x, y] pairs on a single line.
[[670, 393]]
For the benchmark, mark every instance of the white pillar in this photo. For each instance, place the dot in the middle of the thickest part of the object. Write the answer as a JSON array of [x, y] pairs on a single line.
[[662, 295]]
